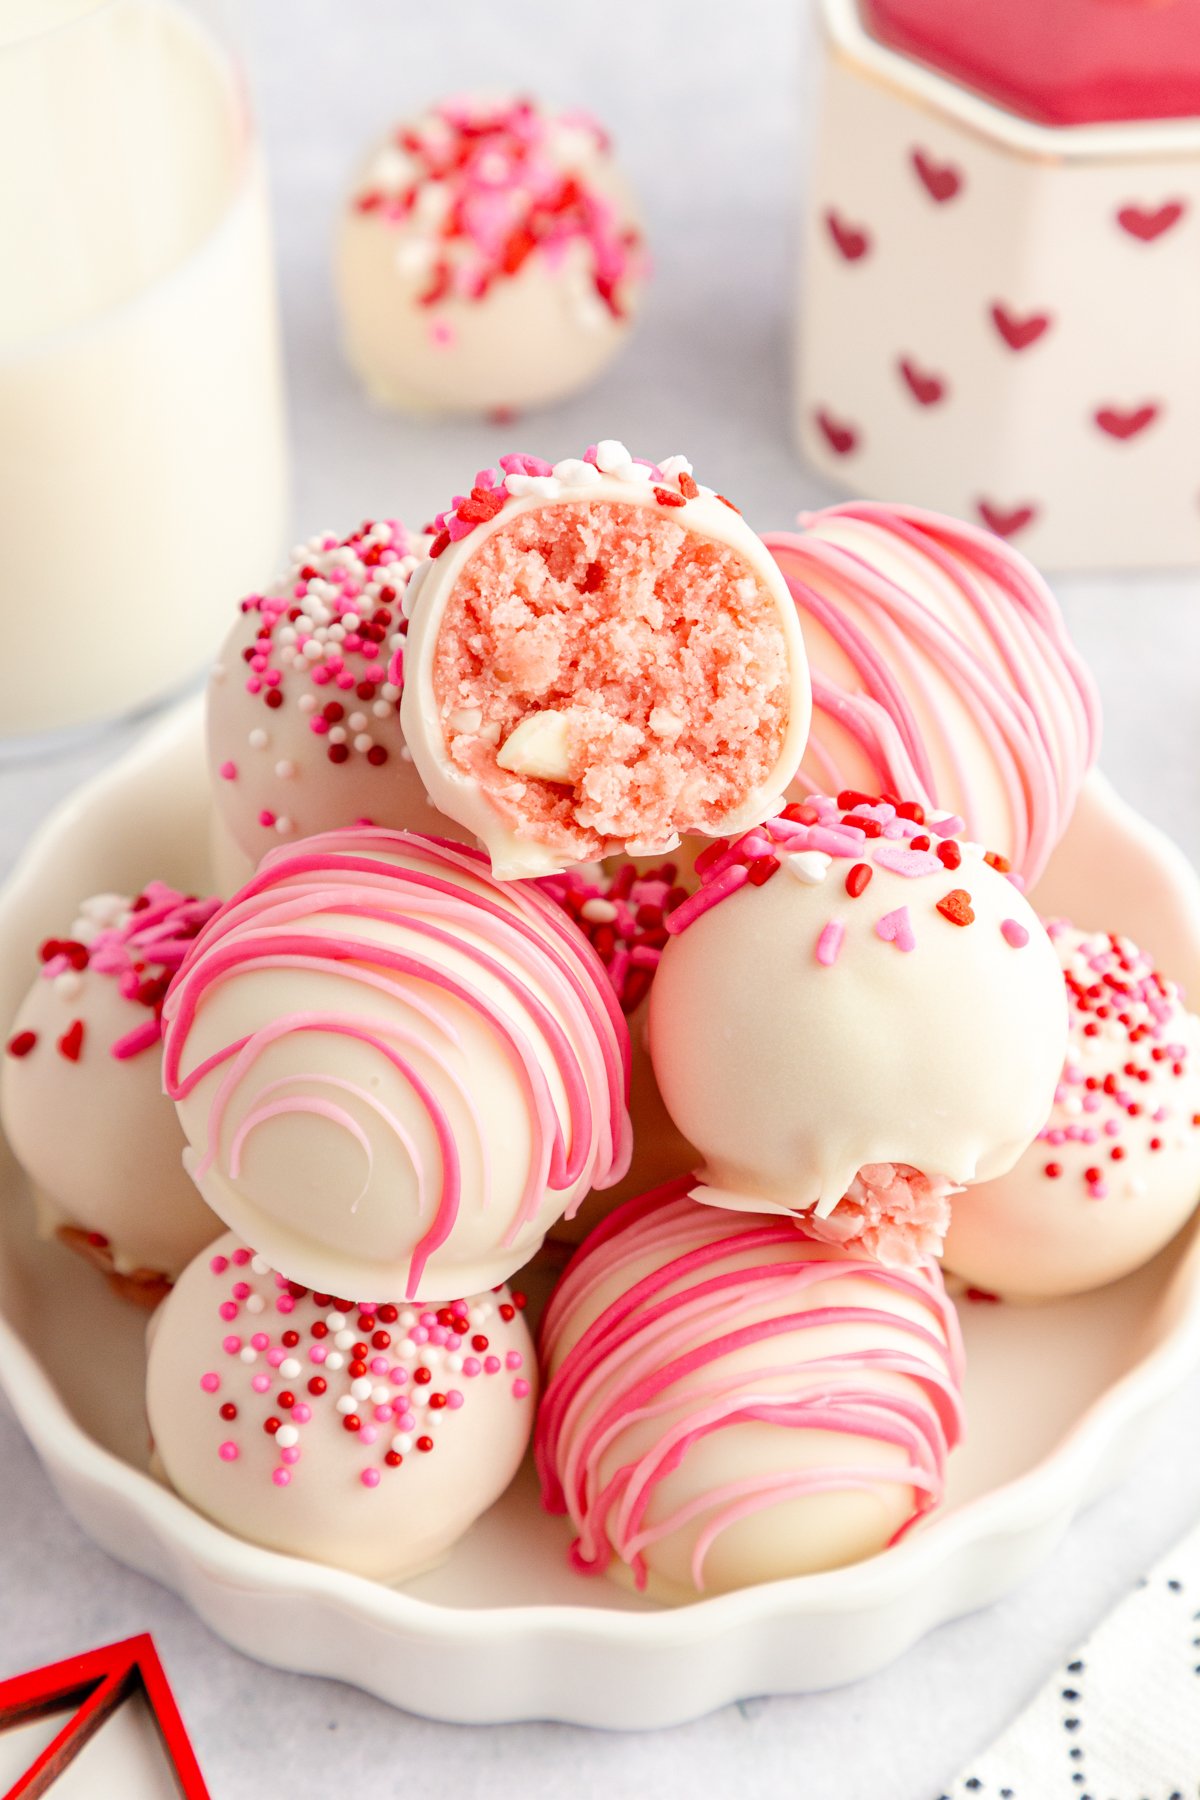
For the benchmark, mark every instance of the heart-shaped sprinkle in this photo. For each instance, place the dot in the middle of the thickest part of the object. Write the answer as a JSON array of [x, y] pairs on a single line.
[[809, 866], [896, 928], [957, 907], [70, 1044]]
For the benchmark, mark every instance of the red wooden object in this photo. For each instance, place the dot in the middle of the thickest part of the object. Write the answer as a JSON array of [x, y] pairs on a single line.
[[1061, 62], [95, 1684]]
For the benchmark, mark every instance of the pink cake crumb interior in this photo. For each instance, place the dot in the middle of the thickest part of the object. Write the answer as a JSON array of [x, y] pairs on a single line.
[[662, 649]]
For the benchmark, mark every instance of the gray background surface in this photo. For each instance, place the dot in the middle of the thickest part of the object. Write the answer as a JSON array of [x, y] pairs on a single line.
[[708, 102]]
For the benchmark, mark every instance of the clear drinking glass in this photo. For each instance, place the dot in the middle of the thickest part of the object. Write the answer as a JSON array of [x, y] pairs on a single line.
[[142, 451]]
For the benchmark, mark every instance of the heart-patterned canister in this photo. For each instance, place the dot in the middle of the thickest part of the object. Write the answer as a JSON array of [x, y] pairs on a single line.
[[1001, 281]]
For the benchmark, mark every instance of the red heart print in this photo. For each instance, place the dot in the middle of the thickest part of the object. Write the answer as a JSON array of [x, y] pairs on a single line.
[[1147, 223], [1126, 423], [1018, 333], [956, 906], [1005, 521], [926, 389], [840, 437], [853, 241], [70, 1044], [940, 180]]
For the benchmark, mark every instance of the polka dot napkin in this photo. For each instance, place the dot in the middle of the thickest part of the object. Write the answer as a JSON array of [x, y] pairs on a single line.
[[1121, 1720]]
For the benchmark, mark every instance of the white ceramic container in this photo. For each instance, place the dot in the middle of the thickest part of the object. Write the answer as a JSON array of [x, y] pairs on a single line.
[[998, 318], [1060, 1398]]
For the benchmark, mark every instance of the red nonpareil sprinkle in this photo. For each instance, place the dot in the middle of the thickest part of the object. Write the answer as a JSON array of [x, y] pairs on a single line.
[[956, 906], [70, 1044], [1053, 1170], [949, 854], [351, 1422], [338, 753], [688, 487], [507, 1312], [665, 497], [519, 1300], [229, 1412], [21, 1043], [317, 1385], [859, 879], [425, 1444]]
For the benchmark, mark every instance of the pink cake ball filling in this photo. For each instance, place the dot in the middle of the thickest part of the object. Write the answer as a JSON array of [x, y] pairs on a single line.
[[891, 1213], [661, 649]]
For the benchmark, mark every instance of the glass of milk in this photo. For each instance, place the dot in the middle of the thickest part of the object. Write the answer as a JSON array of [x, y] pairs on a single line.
[[142, 455]]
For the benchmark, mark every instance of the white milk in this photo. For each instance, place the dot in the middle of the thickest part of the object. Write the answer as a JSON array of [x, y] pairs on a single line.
[[142, 470]]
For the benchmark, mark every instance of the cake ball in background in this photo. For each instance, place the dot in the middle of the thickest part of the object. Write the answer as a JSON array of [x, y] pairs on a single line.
[[856, 1012], [489, 259], [1115, 1170], [303, 704], [729, 1402], [395, 1073], [363, 1435], [81, 1094], [942, 671], [622, 913], [602, 656]]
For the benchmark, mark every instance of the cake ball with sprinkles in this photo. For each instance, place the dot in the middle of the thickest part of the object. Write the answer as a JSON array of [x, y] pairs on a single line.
[[362, 1434], [856, 1012], [728, 1401], [602, 656], [622, 912], [396, 1073], [1115, 1170], [303, 703], [81, 1095], [489, 259], [942, 670]]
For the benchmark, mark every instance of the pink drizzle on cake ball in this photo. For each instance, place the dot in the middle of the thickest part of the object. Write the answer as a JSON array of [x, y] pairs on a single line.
[[728, 1401], [942, 669], [391, 1065]]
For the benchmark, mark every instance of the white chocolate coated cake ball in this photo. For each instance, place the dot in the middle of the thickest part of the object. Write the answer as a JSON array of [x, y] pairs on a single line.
[[395, 1074], [1115, 1170], [729, 1402], [853, 987], [81, 1093], [303, 705], [362, 1435], [489, 259], [943, 671], [602, 656]]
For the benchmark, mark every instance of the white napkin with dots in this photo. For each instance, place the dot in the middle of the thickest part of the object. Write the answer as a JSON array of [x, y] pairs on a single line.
[[1121, 1720]]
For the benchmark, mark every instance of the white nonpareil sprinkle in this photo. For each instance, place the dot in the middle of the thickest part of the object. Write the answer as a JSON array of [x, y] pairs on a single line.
[[287, 1436]]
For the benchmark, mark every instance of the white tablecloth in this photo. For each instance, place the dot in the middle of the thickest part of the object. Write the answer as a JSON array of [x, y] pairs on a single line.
[[707, 101]]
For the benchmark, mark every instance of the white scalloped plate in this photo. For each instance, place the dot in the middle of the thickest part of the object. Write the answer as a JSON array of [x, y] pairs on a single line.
[[1059, 1397]]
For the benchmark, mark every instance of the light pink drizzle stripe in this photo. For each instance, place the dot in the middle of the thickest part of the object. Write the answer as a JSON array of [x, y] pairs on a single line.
[[567, 1013], [631, 1365], [1043, 734]]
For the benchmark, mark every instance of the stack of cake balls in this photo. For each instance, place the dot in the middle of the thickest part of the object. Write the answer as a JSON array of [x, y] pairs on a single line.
[[601, 874]]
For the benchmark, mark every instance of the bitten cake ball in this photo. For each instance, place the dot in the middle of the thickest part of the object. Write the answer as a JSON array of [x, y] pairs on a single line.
[[602, 655], [490, 259], [363, 1435], [942, 670], [82, 1099], [854, 986], [622, 914], [395, 1074], [729, 1402], [1115, 1170], [303, 704]]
